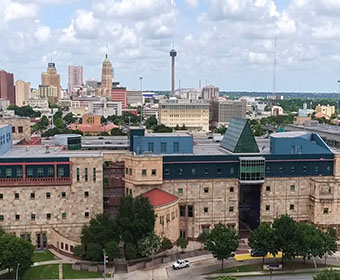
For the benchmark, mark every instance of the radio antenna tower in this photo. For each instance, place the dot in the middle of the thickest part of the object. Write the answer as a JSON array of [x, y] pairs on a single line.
[[274, 74]]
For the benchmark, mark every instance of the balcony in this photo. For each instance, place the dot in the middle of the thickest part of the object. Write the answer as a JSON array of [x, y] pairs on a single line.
[[43, 181]]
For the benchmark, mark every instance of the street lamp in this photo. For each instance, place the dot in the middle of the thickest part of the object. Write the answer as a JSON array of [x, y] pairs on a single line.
[[17, 272]]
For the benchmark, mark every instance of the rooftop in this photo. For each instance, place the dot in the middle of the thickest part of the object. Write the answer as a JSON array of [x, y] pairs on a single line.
[[158, 197]]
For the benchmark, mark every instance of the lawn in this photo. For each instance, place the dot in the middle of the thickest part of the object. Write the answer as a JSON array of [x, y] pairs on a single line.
[[51, 271], [242, 268], [43, 256]]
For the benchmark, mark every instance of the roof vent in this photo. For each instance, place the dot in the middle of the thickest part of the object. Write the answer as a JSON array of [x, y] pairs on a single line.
[[47, 151]]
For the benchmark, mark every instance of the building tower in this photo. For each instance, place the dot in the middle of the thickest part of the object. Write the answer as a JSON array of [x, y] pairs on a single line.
[[51, 78], [173, 54], [7, 90], [75, 77], [107, 78]]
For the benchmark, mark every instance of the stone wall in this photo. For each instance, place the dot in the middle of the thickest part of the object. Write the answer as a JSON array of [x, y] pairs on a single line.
[[21, 127], [167, 221]]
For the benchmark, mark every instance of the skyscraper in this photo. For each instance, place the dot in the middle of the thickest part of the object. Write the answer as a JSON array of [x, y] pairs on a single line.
[[75, 77], [173, 54], [51, 78], [7, 86], [22, 92], [107, 78]]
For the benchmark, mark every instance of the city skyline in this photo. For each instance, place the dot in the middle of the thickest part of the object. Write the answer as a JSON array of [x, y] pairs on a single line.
[[227, 43]]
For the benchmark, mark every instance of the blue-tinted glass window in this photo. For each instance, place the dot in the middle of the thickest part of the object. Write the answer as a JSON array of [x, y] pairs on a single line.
[[163, 147], [176, 147]]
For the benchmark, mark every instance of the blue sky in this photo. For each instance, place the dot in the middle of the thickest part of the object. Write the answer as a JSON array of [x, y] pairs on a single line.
[[228, 43]]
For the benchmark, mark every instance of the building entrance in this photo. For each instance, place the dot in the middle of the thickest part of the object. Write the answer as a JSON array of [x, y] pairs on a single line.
[[249, 208]]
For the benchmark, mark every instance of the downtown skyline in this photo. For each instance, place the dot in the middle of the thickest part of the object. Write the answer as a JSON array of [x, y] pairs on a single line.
[[227, 43]]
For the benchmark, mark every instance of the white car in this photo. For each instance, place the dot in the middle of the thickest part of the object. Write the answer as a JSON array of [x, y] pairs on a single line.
[[180, 264]]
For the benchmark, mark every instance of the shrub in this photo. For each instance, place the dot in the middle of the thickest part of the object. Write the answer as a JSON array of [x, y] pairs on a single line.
[[166, 244], [130, 251]]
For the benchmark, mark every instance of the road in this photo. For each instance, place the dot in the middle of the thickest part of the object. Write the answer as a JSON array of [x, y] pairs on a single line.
[[282, 277]]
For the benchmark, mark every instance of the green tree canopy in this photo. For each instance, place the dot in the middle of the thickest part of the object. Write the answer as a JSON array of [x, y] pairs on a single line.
[[162, 129], [149, 245], [14, 251], [117, 132], [328, 274], [151, 122], [262, 240], [68, 118], [182, 243], [24, 111], [222, 242]]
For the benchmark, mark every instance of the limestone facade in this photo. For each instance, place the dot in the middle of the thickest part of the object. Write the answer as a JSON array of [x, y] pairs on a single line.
[[21, 127], [167, 221]]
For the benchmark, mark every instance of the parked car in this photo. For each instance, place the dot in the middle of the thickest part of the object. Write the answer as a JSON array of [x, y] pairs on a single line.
[[180, 264], [257, 253]]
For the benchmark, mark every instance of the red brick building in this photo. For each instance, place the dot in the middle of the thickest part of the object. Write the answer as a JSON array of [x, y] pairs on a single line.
[[7, 90], [119, 94]]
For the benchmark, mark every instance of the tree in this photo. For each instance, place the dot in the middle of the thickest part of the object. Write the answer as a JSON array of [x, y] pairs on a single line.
[[162, 129], [135, 218], [130, 251], [78, 251], [202, 237], [222, 129], [59, 123], [166, 244], [112, 249], [329, 243], [182, 243], [285, 229], [222, 242], [262, 240], [117, 132], [24, 111], [68, 118], [97, 235], [149, 245], [14, 251], [1, 231], [151, 122], [328, 274]]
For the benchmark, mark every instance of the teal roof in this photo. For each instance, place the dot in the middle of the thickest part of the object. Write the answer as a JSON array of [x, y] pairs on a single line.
[[239, 138], [106, 60]]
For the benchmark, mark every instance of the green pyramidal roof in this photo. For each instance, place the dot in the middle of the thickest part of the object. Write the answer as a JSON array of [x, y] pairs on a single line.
[[106, 60], [239, 137]]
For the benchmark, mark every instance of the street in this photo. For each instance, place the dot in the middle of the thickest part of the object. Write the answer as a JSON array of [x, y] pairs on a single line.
[[282, 277]]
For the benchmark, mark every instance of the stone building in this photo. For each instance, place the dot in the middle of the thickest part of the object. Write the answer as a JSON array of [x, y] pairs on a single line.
[[51, 79], [21, 127]]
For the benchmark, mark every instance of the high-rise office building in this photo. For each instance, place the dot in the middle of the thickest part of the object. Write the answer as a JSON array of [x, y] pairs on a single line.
[[51, 78], [75, 77], [107, 78], [7, 86], [22, 92], [210, 92]]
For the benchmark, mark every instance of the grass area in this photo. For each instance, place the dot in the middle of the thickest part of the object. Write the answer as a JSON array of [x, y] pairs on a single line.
[[43, 256], [242, 268], [51, 271]]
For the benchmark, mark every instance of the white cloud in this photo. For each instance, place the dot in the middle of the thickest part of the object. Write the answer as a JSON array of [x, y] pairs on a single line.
[[14, 11], [42, 33], [192, 3]]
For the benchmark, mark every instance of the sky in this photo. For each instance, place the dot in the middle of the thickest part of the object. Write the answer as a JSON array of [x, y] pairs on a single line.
[[226, 43]]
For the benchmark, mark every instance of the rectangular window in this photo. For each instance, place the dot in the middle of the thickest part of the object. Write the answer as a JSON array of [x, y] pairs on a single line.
[[19, 172], [61, 172], [167, 172], [292, 188], [20, 129], [205, 209], [280, 169], [190, 210], [8, 172], [304, 169], [167, 218], [63, 216], [87, 214], [50, 172], [232, 170], [1, 218], [144, 172], [176, 147], [231, 209], [193, 171], [1, 196], [17, 217], [130, 171], [126, 171], [161, 220], [180, 171], [32, 195], [48, 216], [292, 169], [182, 210], [86, 175], [206, 190], [150, 147], [267, 188], [267, 207], [78, 175], [219, 171], [325, 210], [32, 217], [94, 174], [86, 194], [291, 207], [40, 172], [231, 189], [63, 194], [16, 196], [48, 195], [13, 129], [153, 172], [206, 171], [29, 173], [180, 191], [163, 147]]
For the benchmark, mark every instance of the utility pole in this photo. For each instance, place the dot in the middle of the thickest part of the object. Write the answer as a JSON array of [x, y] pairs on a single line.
[[104, 254], [17, 272]]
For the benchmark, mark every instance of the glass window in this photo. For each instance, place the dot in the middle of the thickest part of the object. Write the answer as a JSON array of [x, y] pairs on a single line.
[[50, 172], [150, 147], [40, 172], [130, 171], [180, 191], [144, 172], [231, 209], [163, 147], [1, 196], [153, 172], [48, 195], [231, 189], [292, 169], [280, 169], [267, 207], [78, 175], [1, 218], [63, 194], [292, 188], [16, 196], [63, 216], [32, 195], [87, 214], [206, 190], [126, 170], [48, 216], [161, 220], [61, 172], [94, 174], [17, 217], [32, 217], [86, 194], [304, 169], [206, 171], [232, 170], [8, 172], [219, 171], [291, 207], [182, 210], [190, 210], [325, 210], [20, 129], [167, 172], [206, 209], [19, 172], [267, 188], [193, 171], [176, 147], [180, 171], [86, 175], [29, 173]]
